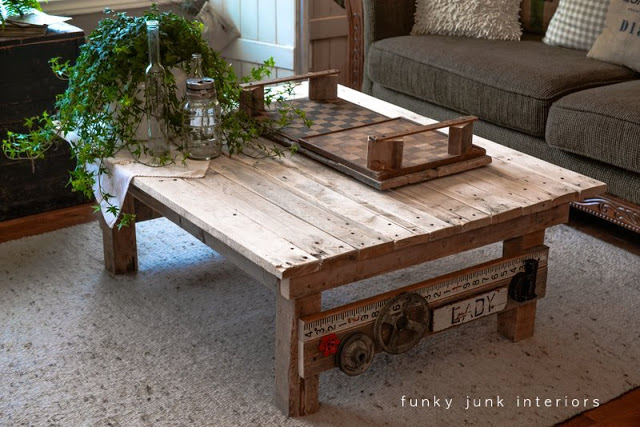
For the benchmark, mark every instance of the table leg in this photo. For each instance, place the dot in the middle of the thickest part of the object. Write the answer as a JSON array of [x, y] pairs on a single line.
[[295, 396], [120, 248], [518, 324]]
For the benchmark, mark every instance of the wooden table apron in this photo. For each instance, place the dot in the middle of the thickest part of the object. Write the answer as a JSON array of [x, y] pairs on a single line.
[[512, 200]]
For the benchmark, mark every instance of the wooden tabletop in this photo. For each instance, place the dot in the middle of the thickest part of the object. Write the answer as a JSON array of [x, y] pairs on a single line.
[[294, 217]]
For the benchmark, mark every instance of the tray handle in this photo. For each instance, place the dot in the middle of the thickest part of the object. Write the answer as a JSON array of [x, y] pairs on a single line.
[[323, 85], [384, 152]]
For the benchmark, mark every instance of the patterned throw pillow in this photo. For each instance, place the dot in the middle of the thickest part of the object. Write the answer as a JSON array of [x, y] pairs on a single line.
[[536, 14], [486, 19], [577, 23], [619, 43]]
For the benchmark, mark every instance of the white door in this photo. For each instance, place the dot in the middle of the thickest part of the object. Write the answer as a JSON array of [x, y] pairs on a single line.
[[268, 28]]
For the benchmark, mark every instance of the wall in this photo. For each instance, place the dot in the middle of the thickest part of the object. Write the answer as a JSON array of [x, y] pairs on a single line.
[[269, 28], [86, 14]]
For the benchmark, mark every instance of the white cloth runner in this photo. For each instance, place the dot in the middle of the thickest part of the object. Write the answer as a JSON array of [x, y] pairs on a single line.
[[123, 168]]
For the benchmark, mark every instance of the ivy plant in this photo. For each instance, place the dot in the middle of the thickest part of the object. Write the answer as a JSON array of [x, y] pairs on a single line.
[[103, 105], [18, 7]]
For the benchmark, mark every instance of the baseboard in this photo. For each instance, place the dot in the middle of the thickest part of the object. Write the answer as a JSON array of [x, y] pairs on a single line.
[[46, 221]]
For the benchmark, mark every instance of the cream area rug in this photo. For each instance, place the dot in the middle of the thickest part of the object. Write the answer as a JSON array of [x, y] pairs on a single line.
[[189, 340]]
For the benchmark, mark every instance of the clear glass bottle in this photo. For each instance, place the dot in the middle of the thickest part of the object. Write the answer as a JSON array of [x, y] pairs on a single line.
[[195, 66], [202, 119], [155, 92]]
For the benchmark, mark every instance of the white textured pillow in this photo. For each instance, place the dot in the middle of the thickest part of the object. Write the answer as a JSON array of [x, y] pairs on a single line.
[[485, 19], [576, 23]]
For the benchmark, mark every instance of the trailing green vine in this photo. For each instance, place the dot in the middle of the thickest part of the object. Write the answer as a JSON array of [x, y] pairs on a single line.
[[17, 7], [104, 103]]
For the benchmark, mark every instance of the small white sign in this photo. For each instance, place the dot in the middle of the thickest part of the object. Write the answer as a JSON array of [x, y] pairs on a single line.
[[470, 309]]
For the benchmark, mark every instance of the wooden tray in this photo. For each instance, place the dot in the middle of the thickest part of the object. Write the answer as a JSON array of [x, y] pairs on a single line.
[[422, 151], [339, 137], [384, 153]]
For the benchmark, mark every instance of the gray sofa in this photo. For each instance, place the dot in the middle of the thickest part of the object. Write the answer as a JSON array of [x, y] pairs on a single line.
[[550, 102]]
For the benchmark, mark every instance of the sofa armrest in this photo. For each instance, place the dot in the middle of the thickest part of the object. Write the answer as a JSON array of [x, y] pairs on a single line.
[[383, 19]]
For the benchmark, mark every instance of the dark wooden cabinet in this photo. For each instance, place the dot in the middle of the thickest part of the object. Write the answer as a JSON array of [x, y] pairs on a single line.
[[27, 88]]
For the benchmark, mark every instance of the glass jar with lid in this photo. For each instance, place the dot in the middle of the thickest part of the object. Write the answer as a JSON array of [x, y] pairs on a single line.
[[202, 119]]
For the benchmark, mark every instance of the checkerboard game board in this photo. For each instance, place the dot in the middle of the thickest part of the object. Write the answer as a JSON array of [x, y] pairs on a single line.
[[339, 135], [329, 116]]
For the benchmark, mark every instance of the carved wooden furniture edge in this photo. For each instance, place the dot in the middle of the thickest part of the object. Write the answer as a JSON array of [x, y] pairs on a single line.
[[355, 54], [612, 209]]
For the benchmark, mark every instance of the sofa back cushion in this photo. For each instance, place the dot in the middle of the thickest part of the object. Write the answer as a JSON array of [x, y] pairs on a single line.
[[512, 84], [486, 19], [536, 14], [576, 23]]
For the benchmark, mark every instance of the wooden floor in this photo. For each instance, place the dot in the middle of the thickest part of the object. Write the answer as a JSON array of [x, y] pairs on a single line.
[[621, 412]]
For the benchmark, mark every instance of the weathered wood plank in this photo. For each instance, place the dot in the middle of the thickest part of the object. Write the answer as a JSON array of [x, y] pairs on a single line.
[[338, 217], [531, 198], [498, 207], [252, 100], [519, 323], [463, 165], [331, 198], [300, 232], [386, 154], [323, 88], [431, 127], [451, 282], [310, 75], [252, 269], [460, 216], [341, 274], [120, 247], [460, 138], [382, 107], [557, 192], [225, 223], [374, 202], [295, 396], [586, 186]]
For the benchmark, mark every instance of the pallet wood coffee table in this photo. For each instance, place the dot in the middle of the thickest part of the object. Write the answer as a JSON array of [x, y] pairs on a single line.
[[301, 228]]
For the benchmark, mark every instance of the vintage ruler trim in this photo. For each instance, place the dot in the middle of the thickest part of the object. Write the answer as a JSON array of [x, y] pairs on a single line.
[[356, 314]]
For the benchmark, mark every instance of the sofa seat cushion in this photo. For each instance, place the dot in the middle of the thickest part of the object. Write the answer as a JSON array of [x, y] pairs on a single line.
[[509, 83], [602, 123]]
